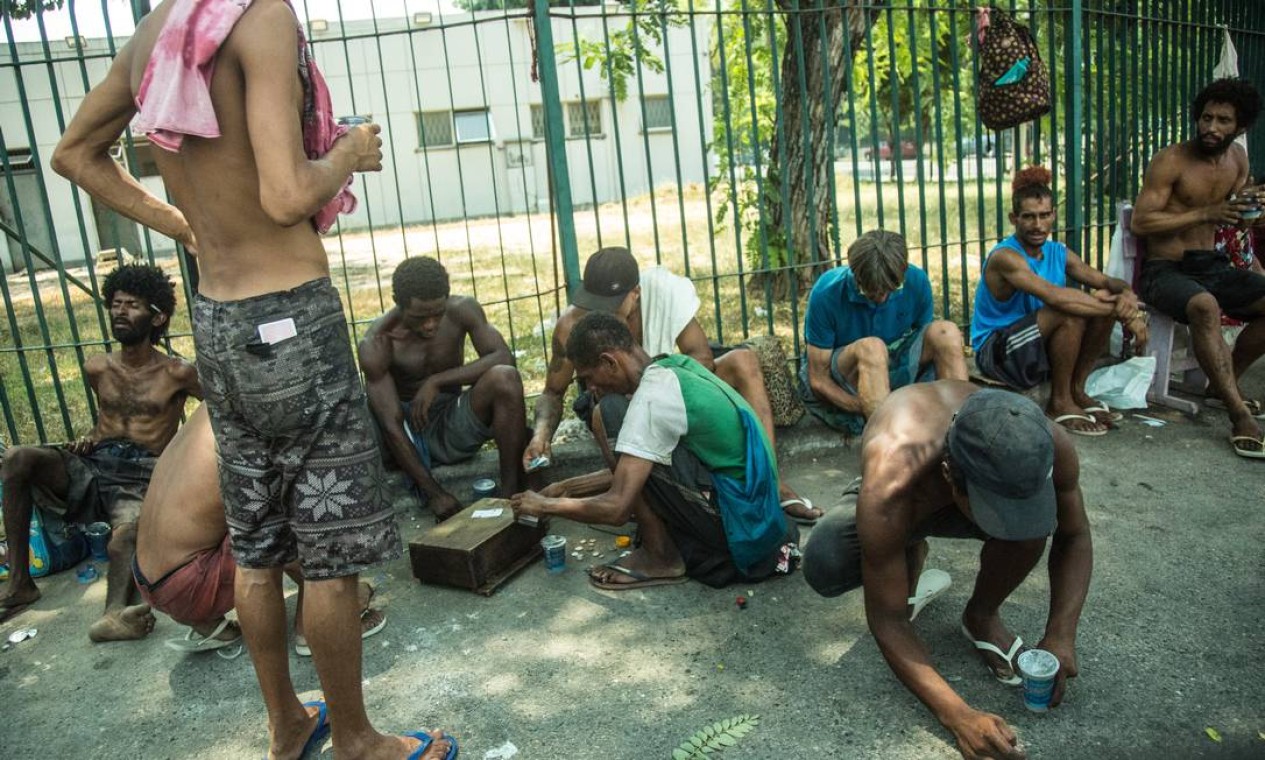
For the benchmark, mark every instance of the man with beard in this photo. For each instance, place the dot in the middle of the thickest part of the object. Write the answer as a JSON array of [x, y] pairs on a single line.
[[1189, 190], [1029, 326], [103, 476]]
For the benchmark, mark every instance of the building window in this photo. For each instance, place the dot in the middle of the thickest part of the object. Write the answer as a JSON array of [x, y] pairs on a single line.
[[20, 159], [537, 122], [658, 111], [434, 129], [584, 118], [473, 126]]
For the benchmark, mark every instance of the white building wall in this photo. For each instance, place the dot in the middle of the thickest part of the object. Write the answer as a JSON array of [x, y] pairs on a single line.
[[395, 76]]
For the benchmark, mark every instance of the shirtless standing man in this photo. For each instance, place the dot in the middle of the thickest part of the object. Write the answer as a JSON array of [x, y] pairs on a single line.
[[612, 284], [141, 394], [1189, 190], [413, 358], [951, 460], [300, 472]]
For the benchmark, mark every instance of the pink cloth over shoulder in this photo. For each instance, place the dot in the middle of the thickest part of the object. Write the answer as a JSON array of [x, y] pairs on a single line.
[[174, 97]]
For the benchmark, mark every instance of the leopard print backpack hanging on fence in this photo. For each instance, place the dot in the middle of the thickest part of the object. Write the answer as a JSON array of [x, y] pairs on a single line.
[[1014, 85]]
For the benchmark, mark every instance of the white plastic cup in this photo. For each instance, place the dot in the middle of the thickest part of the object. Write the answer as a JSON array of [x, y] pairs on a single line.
[[1038, 669]]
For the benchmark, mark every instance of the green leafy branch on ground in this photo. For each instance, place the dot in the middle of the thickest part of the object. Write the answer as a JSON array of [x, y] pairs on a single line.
[[715, 738]]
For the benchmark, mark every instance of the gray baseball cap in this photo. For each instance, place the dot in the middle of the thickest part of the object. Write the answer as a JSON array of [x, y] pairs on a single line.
[[1002, 443], [609, 275]]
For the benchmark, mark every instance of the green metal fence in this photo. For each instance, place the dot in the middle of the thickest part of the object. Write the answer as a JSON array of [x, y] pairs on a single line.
[[744, 143]]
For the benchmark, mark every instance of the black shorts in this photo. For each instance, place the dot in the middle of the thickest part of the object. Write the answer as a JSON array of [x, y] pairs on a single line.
[[108, 484], [1015, 354], [832, 555], [1168, 286], [300, 471]]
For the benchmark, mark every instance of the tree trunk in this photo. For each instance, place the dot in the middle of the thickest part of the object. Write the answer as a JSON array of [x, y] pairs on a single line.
[[800, 172]]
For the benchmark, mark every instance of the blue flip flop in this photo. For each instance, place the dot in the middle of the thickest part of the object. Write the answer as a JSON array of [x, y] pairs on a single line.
[[321, 732], [426, 741]]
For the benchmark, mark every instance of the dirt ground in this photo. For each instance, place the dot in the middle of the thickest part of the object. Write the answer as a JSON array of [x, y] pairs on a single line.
[[1169, 642]]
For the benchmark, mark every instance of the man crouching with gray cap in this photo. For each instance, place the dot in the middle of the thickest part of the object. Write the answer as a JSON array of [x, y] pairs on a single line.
[[948, 459]]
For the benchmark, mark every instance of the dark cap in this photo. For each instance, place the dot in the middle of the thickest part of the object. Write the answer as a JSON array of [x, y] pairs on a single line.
[[1002, 444], [609, 275]]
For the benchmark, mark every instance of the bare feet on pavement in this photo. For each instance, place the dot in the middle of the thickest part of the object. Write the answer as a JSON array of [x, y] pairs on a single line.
[[20, 597], [134, 622]]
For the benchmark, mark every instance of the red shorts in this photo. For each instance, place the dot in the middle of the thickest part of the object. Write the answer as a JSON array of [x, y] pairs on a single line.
[[198, 592]]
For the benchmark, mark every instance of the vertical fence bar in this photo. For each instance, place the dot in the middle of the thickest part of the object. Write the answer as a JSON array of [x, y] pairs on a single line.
[[564, 211], [1074, 128]]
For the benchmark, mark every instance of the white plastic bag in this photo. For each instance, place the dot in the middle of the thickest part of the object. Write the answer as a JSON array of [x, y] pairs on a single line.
[[1122, 385], [1115, 257], [1115, 268]]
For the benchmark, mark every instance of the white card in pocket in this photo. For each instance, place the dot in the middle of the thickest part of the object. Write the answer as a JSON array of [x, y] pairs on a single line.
[[273, 333]]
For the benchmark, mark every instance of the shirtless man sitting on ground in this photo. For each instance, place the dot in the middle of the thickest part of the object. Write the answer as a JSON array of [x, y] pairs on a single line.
[[183, 565], [432, 407], [141, 395]]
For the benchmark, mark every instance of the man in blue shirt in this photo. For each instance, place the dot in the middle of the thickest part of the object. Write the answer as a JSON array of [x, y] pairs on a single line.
[[870, 329], [1029, 326]]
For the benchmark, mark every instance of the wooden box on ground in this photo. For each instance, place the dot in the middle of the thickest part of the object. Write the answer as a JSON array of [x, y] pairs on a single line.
[[476, 553]]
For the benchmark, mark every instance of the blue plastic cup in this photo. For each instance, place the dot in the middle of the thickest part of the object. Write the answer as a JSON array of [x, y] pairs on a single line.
[[1038, 668], [98, 534], [555, 553]]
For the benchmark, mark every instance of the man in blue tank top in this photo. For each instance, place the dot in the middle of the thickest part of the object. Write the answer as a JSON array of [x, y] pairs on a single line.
[[870, 328], [1029, 326]]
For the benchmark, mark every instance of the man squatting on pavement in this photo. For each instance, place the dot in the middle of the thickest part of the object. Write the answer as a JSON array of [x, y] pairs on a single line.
[[948, 459], [659, 308], [689, 450], [254, 159], [416, 376], [141, 394]]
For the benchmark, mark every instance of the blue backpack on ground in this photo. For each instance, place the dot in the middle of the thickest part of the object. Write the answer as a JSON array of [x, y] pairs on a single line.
[[54, 546]]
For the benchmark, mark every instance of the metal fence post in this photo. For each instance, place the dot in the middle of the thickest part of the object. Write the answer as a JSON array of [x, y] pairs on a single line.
[[560, 186], [1074, 129]]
